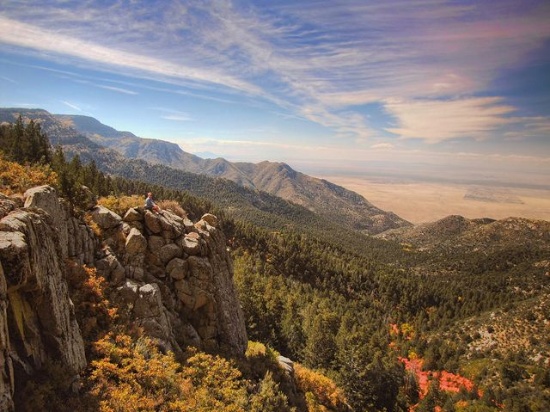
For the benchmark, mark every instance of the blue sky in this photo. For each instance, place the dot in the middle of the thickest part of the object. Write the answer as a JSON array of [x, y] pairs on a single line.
[[346, 85]]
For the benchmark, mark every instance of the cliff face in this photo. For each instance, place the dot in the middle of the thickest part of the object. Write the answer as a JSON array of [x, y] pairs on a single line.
[[168, 276]]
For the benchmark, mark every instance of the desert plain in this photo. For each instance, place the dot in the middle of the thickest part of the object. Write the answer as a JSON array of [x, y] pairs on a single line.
[[421, 202]]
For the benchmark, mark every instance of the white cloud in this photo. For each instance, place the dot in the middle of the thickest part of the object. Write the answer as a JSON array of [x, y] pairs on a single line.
[[7, 79], [320, 60], [177, 117], [118, 89], [438, 120], [71, 105], [383, 146], [24, 35]]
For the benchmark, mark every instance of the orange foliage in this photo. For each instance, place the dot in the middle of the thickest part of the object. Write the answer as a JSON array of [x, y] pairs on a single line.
[[15, 178], [92, 308]]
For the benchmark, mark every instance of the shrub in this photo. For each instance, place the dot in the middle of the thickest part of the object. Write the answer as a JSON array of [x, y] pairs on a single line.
[[120, 205], [319, 390], [269, 398], [174, 207], [16, 178], [130, 372], [93, 311]]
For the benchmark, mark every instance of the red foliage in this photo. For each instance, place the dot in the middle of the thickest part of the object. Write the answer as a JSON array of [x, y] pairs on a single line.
[[449, 382]]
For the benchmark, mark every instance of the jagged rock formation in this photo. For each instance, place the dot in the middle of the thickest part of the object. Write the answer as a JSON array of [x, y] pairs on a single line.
[[174, 277], [169, 276], [37, 316]]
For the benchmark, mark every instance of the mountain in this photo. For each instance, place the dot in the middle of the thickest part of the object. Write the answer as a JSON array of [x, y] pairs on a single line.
[[457, 233], [120, 307], [467, 298], [279, 179], [60, 134]]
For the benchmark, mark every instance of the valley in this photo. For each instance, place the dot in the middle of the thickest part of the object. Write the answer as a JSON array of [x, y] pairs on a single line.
[[354, 302], [421, 202]]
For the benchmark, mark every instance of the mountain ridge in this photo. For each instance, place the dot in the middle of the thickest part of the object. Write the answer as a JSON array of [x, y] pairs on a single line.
[[82, 135]]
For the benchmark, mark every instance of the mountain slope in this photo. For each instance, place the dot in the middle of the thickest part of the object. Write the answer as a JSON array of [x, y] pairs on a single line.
[[278, 179], [265, 210]]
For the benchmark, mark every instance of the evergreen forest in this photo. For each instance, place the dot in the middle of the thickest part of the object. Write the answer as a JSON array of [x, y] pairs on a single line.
[[373, 323]]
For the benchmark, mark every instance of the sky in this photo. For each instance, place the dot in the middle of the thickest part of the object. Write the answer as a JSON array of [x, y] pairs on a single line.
[[433, 87]]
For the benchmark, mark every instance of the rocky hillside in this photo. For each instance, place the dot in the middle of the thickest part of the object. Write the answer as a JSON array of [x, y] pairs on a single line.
[[278, 179], [168, 276], [458, 234]]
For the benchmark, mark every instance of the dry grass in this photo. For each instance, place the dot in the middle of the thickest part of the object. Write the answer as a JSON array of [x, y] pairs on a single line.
[[421, 202], [174, 207]]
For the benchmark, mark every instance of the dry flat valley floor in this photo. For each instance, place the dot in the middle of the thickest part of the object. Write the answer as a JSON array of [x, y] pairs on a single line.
[[420, 202]]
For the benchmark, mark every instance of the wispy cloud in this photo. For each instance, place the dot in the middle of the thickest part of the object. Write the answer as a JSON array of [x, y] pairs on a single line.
[[118, 89], [25, 35], [71, 105], [427, 62], [7, 79], [383, 146], [177, 117]]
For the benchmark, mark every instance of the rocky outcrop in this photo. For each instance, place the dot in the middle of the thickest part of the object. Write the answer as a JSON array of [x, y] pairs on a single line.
[[177, 283], [37, 322], [170, 277]]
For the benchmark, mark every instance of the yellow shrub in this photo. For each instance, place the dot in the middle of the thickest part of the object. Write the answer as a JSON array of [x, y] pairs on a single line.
[[93, 311], [321, 392], [15, 178], [120, 205], [130, 372]]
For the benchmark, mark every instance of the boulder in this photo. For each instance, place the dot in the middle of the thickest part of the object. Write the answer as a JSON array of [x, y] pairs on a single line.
[[132, 215], [105, 218], [129, 292], [169, 252], [177, 268], [191, 244], [286, 364], [45, 198], [210, 219], [7, 205], [172, 225], [152, 222], [135, 242]]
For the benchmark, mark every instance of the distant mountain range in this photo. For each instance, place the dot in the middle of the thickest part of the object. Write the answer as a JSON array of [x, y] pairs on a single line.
[[110, 148]]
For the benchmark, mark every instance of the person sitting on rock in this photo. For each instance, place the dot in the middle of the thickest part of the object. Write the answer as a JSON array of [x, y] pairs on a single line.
[[150, 203]]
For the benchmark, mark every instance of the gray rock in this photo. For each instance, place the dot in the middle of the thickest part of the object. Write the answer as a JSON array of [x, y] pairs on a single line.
[[105, 218], [132, 215], [191, 244], [286, 364], [7, 378], [34, 269], [135, 242], [129, 292], [152, 222], [45, 198], [172, 225], [169, 252]]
